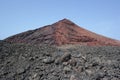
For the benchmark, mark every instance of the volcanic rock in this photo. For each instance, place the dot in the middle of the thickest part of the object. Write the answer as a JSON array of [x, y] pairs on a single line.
[[30, 62], [48, 60], [61, 33]]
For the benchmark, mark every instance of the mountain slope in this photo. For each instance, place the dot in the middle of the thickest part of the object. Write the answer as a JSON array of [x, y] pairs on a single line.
[[61, 33]]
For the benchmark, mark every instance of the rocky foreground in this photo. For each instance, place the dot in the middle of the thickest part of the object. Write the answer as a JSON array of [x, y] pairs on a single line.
[[70, 62]]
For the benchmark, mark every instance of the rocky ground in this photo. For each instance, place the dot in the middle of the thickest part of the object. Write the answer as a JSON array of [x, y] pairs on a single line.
[[70, 62]]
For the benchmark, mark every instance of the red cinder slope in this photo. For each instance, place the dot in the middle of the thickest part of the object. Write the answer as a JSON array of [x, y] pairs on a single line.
[[60, 33]]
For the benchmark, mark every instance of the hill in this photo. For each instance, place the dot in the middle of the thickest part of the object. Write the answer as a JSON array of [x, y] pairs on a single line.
[[60, 51]]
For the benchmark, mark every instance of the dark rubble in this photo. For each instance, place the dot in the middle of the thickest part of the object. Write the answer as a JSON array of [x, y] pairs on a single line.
[[43, 62]]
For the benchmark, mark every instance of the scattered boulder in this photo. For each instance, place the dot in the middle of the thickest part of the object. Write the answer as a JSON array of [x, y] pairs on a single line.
[[72, 62], [57, 61], [90, 72], [20, 70], [76, 55], [65, 63], [65, 57], [98, 75], [66, 69], [72, 77], [80, 69], [48, 60]]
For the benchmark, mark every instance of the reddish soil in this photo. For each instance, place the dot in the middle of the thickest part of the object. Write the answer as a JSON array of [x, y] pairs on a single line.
[[61, 33]]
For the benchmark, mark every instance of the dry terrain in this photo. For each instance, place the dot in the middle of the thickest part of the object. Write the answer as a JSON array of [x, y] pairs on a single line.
[[69, 62]]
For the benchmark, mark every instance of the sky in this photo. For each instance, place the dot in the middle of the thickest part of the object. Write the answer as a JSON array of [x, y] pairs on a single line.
[[99, 16]]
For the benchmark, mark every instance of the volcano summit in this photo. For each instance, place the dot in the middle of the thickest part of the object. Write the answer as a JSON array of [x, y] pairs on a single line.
[[61, 33]]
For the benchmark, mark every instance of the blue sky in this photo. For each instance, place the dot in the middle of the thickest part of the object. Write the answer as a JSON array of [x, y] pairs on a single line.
[[100, 16]]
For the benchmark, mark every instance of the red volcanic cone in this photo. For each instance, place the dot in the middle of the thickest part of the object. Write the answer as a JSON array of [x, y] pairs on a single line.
[[61, 33]]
